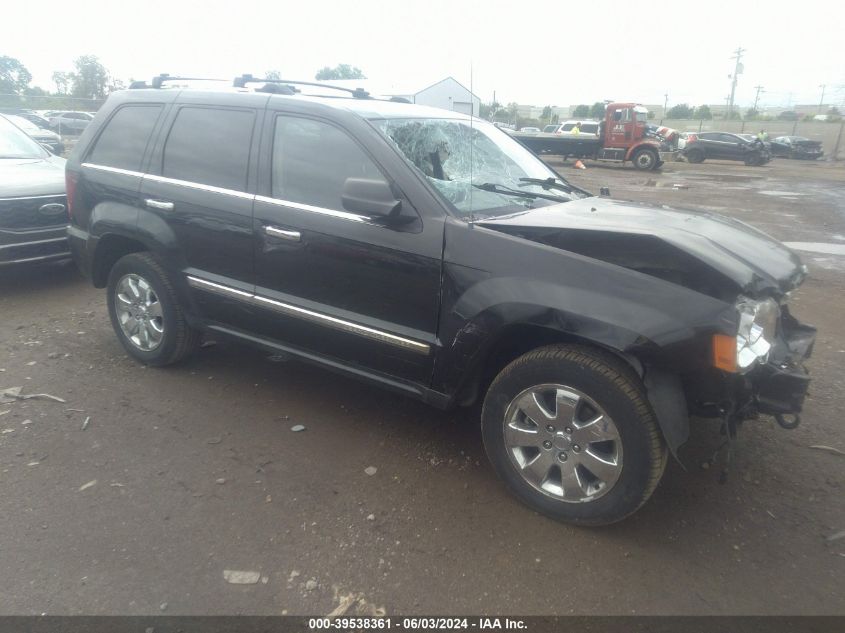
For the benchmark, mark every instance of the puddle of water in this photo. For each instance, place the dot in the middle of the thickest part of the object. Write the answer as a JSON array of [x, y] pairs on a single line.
[[818, 247], [781, 193], [723, 177]]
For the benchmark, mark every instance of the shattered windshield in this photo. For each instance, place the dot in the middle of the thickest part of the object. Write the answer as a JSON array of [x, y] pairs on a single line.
[[480, 170]]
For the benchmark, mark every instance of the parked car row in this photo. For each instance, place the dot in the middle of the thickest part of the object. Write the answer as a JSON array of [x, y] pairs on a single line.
[[697, 147], [51, 140]]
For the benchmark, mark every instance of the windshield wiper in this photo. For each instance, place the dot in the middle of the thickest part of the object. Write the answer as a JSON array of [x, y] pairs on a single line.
[[507, 191], [554, 183]]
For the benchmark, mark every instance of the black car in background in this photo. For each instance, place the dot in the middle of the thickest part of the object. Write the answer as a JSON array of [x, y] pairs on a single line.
[[796, 147], [33, 205], [725, 146]]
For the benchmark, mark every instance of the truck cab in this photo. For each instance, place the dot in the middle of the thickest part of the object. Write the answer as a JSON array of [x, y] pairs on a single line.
[[624, 136]]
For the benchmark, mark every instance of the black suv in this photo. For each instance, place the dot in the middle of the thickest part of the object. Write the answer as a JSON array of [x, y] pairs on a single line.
[[432, 254], [726, 146]]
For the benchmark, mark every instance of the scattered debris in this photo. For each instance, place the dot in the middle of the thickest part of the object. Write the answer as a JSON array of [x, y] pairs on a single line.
[[371, 470], [220, 481], [835, 537], [278, 358], [26, 422], [31, 363], [76, 410], [85, 423], [265, 580], [293, 575], [90, 484], [115, 484], [829, 449], [53, 355], [770, 514], [296, 428], [35, 463], [162, 606], [241, 577], [214, 440], [354, 603], [371, 517], [11, 394], [5, 412], [311, 584], [208, 343]]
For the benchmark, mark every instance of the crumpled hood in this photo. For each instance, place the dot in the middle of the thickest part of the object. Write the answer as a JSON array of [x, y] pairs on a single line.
[[701, 250], [21, 177]]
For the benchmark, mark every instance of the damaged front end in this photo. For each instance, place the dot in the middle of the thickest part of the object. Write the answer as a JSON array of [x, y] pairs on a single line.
[[760, 371]]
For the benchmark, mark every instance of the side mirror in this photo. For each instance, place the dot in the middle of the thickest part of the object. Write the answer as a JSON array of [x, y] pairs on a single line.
[[373, 198]]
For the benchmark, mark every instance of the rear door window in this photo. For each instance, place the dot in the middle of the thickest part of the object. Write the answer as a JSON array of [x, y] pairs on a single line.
[[123, 141], [312, 160], [209, 146]]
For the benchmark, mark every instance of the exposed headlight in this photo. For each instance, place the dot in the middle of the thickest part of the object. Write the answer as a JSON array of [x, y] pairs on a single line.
[[758, 322]]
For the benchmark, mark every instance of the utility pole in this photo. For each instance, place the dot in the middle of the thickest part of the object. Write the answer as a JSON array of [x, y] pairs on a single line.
[[738, 68], [759, 89], [665, 104], [821, 103]]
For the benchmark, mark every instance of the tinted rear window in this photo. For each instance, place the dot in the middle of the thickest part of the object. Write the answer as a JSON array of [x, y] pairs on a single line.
[[210, 146], [124, 139]]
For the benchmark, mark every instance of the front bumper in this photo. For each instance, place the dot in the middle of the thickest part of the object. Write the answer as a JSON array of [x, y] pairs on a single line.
[[21, 247], [780, 386], [669, 156]]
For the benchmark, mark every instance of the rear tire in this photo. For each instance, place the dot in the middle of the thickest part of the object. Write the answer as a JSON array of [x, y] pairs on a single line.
[[594, 456], [146, 313], [695, 156]]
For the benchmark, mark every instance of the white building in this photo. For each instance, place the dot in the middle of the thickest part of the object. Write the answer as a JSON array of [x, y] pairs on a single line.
[[447, 94]]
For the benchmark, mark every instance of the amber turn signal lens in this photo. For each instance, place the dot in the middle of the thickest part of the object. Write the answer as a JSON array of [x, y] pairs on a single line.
[[724, 352]]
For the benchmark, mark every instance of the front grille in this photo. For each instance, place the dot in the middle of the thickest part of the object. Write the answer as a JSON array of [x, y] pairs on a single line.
[[20, 214]]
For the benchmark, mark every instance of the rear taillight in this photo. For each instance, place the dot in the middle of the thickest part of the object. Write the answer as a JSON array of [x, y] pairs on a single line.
[[70, 188], [691, 138]]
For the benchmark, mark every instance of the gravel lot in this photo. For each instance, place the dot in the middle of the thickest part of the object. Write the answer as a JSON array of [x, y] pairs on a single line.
[[184, 473]]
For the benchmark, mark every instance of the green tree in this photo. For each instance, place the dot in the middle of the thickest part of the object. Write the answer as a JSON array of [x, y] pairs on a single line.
[[14, 77], [90, 79], [35, 91], [513, 110], [702, 112], [680, 111], [751, 113], [341, 71], [272, 74], [582, 111], [547, 113], [62, 81], [555, 119], [597, 110]]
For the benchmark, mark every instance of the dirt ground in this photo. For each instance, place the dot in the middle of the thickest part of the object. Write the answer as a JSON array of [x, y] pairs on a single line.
[[183, 473]]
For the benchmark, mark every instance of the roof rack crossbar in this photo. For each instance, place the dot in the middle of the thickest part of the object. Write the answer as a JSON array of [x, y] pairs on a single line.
[[243, 80], [158, 81]]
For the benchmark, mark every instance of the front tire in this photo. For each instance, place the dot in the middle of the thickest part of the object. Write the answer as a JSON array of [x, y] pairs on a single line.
[[645, 159], [570, 431], [146, 313]]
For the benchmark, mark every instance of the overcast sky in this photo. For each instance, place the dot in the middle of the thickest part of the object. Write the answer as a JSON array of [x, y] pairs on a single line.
[[542, 53]]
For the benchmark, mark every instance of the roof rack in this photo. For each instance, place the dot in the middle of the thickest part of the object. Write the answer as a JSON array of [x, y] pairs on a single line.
[[158, 81], [243, 80]]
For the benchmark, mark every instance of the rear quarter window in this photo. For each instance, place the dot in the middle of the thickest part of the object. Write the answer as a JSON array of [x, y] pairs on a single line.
[[124, 139], [209, 146]]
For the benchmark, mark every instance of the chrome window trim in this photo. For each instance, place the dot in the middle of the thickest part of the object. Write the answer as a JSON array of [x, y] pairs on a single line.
[[310, 315], [114, 170], [307, 207], [196, 185], [172, 181]]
